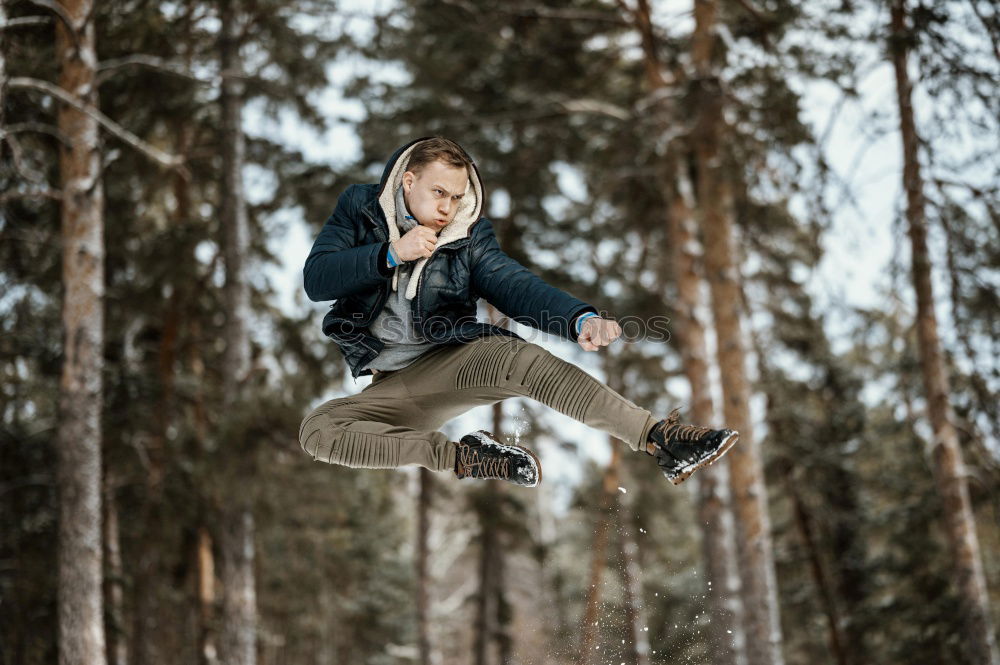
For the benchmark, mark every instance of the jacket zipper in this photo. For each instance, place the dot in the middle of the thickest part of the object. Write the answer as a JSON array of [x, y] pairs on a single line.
[[420, 281]]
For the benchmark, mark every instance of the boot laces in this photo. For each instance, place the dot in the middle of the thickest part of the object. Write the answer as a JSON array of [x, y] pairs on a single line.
[[673, 429], [477, 465]]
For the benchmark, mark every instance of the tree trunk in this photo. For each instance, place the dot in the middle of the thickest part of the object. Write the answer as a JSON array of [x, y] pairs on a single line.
[[628, 547], [3, 64], [80, 603], [486, 610], [145, 593], [547, 576], [948, 463], [239, 611], [848, 553], [749, 495], [804, 523], [492, 622], [114, 582], [715, 516], [239, 600], [326, 650], [204, 554], [632, 579], [199, 412], [235, 226], [598, 559], [502, 636], [207, 654], [423, 530]]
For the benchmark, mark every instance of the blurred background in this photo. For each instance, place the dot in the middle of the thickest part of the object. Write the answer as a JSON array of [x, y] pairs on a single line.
[[810, 191]]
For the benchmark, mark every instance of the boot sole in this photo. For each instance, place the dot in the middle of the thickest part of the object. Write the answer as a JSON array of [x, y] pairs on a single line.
[[723, 449], [480, 434]]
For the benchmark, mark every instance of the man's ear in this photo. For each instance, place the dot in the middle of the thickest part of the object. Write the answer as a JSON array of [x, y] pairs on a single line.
[[408, 179]]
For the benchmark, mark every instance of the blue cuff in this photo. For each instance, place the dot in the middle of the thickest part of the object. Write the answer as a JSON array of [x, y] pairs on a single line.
[[580, 319], [390, 258]]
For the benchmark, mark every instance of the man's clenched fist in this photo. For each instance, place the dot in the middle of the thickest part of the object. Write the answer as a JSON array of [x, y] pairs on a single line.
[[415, 244], [597, 332]]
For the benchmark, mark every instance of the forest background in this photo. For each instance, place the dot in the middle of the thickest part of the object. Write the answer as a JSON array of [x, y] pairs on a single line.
[[810, 191]]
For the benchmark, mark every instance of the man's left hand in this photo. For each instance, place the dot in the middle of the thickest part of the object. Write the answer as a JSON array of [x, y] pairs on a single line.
[[597, 332]]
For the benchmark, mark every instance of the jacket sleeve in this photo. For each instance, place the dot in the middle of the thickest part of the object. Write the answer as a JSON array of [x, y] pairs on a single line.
[[337, 266], [518, 292]]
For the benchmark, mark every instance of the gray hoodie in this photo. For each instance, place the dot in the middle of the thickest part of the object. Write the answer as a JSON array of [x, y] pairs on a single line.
[[394, 324]]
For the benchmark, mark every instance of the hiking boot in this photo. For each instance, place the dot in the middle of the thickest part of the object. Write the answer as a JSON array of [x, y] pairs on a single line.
[[482, 455], [680, 450]]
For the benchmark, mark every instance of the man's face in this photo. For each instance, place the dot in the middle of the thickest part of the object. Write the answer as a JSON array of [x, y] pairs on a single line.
[[433, 195]]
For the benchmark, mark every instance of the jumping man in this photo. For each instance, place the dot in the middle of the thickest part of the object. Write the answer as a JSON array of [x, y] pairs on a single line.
[[406, 261]]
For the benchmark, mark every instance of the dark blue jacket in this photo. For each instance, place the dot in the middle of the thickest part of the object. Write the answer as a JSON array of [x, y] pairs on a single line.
[[347, 264]]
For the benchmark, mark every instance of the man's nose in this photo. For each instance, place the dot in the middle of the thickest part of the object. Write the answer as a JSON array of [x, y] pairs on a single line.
[[445, 207]]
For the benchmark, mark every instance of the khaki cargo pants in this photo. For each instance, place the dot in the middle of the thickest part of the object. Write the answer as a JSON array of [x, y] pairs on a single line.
[[393, 421]]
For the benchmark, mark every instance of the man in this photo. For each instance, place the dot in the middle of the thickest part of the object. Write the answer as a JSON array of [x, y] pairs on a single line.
[[406, 260]]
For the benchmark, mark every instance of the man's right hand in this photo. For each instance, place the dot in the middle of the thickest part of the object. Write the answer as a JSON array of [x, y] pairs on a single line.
[[415, 244]]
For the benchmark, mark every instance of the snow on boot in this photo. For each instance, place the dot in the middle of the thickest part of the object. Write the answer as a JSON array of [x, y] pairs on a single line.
[[680, 450], [482, 455]]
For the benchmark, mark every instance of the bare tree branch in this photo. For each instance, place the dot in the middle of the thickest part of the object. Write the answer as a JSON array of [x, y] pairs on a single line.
[[157, 155], [831, 121], [978, 192], [25, 20], [593, 106], [107, 67], [244, 76], [38, 127]]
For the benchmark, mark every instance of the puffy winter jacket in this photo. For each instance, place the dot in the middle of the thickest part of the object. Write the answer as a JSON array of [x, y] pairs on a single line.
[[347, 264]]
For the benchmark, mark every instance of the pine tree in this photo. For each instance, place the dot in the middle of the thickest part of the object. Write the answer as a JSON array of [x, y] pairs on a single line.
[[81, 606], [759, 586], [949, 465], [715, 514]]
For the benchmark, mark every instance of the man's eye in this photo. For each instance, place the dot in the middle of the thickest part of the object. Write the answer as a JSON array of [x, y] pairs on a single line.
[[438, 192]]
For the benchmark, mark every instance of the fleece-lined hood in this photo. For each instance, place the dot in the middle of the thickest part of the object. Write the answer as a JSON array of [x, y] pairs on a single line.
[[470, 208]]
